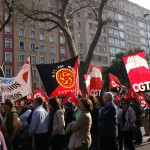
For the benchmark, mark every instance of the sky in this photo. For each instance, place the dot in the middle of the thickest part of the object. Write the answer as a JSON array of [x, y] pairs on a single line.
[[143, 3]]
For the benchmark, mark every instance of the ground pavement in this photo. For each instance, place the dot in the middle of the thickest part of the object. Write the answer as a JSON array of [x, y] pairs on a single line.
[[145, 145]]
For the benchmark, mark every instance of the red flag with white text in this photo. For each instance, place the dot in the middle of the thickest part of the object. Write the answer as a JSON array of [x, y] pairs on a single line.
[[138, 71], [139, 97], [95, 80]]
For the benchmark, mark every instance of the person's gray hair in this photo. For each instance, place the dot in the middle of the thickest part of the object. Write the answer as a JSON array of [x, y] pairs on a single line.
[[109, 95]]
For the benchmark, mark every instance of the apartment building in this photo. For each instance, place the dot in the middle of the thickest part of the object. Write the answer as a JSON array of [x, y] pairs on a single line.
[[21, 39], [128, 29]]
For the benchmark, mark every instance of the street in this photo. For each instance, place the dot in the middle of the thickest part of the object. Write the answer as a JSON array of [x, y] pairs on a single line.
[[145, 145]]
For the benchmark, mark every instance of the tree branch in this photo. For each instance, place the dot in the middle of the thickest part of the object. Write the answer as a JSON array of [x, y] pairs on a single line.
[[64, 7], [78, 10], [9, 10], [101, 23]]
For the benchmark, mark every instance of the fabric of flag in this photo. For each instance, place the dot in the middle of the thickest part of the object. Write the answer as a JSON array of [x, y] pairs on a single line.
[[38, 93], [59, 78], [70, 97], [87, 82], [115, 85], [95, 80], [139, 97], [17, 87], [138, 71]]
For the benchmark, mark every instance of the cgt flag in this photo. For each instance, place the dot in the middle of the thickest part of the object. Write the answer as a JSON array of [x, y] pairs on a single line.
[[139, 97], [138, 71], [115, 85], [95, 80], [59, 78]]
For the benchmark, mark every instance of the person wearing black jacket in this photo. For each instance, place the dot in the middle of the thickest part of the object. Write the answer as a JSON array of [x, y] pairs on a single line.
[[94, 127]]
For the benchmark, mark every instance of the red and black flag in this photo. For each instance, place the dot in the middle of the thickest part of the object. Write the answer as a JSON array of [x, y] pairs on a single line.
[[59, 78]]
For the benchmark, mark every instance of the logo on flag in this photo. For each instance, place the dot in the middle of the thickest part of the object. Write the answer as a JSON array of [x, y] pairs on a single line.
[[65, 77], [138, 72]]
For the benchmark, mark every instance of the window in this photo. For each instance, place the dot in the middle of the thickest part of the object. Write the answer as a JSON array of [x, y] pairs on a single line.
[[122, 43], [32, 34], [51, 25], [141, 24], [8, 30], [50, 3], [121, 25], [41, 1], [42, 48], [121, 34], [34, 72], [117, 42], [6, 16], [22, 58], [112, 50], [20, 20], [52, 50], [78, 14], [32, 47], [34, 85], [42, 60], [8, 57], [79, 35], [32, 22], [41, 24], [120, 17], [42, 36], [8, 43], [62, 51], [33, 59], [52, 60], [62, 39], [142, 32], [80, 45], [52, 38], [143, 41], [21, 32], [111, 41], [78, 25], [21, 45], [98, 48], [8, 71]]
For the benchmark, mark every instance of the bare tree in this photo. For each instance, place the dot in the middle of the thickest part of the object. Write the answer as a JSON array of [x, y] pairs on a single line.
[[60, 14], [6, 6]]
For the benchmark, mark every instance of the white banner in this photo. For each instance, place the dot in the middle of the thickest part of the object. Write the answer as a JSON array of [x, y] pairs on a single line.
[[19, 86]]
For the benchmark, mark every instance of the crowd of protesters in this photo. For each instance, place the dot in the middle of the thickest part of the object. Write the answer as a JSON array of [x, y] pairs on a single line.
[[97, 123]]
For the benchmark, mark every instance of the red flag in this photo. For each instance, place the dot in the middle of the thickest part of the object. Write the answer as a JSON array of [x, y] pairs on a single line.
[[87, 82], [139, 97], [37, 93], [114, 82], [138, 71], [70, 97], [95, 80]]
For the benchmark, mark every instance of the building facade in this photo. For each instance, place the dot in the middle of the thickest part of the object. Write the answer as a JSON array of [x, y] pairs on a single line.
[[128, 29], [21, 39]]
